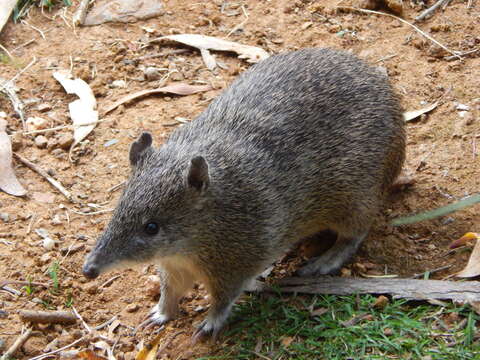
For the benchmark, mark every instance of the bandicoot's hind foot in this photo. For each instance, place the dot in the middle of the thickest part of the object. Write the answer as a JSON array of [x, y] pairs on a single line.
[[332, 261]]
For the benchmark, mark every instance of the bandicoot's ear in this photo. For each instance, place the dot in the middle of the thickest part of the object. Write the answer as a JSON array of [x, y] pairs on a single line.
[[140, 147], [198, 177]]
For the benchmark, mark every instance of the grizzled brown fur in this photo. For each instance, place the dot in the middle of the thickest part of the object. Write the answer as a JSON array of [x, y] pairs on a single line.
[[301, 142]]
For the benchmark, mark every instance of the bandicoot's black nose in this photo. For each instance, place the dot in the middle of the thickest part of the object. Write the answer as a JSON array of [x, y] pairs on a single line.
[[90, 271]]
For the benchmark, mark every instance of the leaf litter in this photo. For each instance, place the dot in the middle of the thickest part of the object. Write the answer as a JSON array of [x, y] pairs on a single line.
[[82, 110], [8, 181], [251, 54]]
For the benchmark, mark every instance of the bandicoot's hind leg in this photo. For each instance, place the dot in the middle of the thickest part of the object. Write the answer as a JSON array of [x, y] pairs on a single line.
[[332, 260]]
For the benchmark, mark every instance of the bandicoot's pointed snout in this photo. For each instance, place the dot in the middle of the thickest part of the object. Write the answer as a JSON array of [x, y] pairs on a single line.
[[90, 270]]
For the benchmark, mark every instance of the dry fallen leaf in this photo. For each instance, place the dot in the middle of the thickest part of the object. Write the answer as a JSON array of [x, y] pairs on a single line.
[[82, 110], [473, 266], [469, 236], [380, 302], [8, 180], [252, 54], [149, 351], [412, 115], [287, 340], [89, 355], [177, 89]]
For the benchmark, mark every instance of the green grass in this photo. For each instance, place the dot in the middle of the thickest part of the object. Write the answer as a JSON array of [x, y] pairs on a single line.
[[22, 7], [401, 330]]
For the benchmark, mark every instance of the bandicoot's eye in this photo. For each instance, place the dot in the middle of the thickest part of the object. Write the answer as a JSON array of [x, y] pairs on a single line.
[[151, 228]]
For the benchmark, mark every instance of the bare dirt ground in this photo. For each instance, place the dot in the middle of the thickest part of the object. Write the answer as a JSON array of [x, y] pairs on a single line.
[[443, 156]]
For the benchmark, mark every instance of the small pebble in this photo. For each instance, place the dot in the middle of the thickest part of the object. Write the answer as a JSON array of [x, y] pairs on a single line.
[[132, 308], [5, 217], [152, 73], [41, 142], [118, 84], [65, 141], [36, 123]]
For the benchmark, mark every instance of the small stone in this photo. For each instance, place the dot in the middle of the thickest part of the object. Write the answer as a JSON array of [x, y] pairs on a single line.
[[41, 142], [132, 308], [118, 84], [52, 143], [44, 107], [36, 123], [45, 258], [152, 285], [152, 73], [177, 76], [469, 119], [462, 107], [65, 141], [17, 141], [91, 288], [58, 153], [48, 243], [5, 217]]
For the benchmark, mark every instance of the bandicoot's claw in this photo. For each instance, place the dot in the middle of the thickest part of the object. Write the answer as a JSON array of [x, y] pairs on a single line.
[[154, 318], [205, 330]]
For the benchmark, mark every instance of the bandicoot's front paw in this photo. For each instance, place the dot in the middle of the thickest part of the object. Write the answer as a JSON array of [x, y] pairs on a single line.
[[155, 318]]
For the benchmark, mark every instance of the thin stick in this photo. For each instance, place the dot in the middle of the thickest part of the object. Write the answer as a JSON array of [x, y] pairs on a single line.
[[19, 282], [432, 271], [91, 213], [449, 58], [56, 184], [34, 28], [34, 60], [17, 344], [106, 323], [109, 281], [239, 25], [118, 186], [39, 357], [6, 51], [85, 325], [430, 10], [405, 22]]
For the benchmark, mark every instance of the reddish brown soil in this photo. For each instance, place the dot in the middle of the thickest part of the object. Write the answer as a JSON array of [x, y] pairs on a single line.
[[443, 156]]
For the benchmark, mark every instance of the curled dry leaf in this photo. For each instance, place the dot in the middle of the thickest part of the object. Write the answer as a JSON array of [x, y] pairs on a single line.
[[469, 236], [177, 89], [82, 110], [8, 181], [89, 355], [149, 351], [473, 266], [252, 54], [412, 115]]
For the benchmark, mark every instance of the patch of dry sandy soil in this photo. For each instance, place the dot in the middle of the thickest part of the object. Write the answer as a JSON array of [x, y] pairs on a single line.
[[443, 156]]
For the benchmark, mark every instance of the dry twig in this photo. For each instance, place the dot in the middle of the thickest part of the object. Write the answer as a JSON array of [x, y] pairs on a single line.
[[430, 10], [405, 22], [17, 344], [19, 282], [56, 184], [48, 317]]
